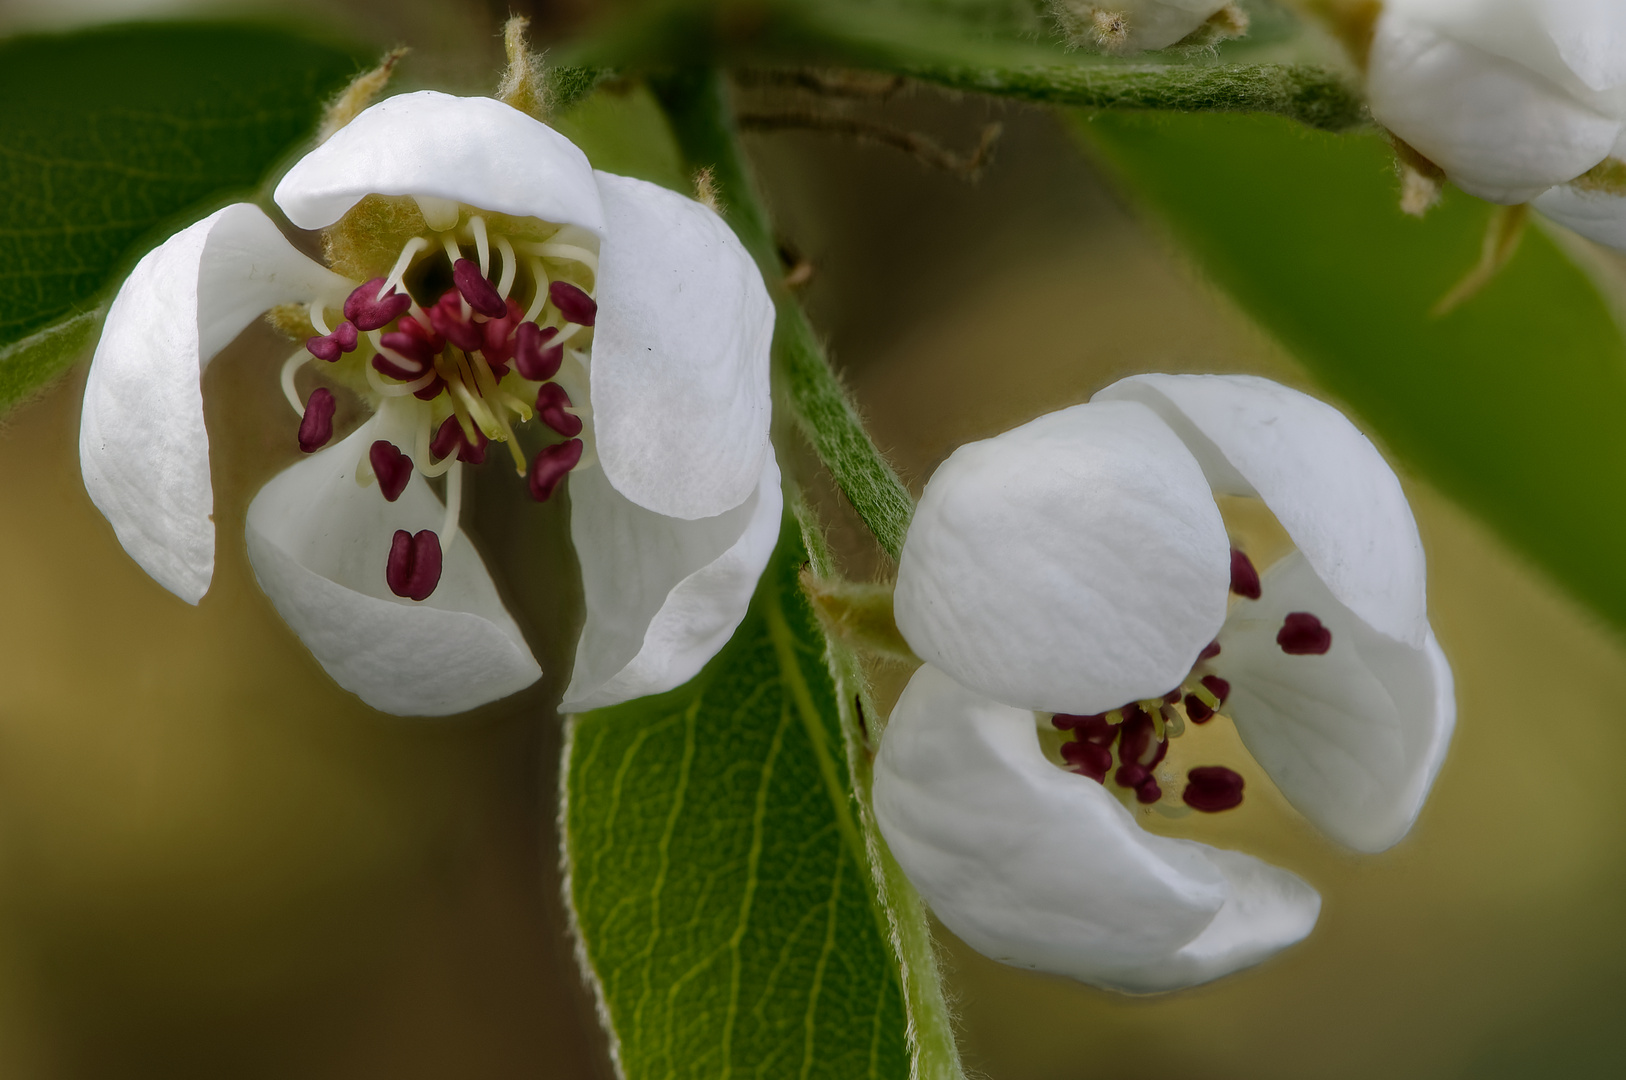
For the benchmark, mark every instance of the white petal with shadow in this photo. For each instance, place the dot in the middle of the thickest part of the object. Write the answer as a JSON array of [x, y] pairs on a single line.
[[143, 448], [1069, 565], [472, 150], [1325, 482], [680, 354], [1041, 868], [319, 544], [663, 594], [1353, 738]]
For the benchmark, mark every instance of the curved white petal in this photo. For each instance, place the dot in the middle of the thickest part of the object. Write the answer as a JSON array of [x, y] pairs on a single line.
[[142, 444], [680, 354], [1325, 482], [1072, 564], [1498, 129], [1579, 40], [1353, 738], [1157, 24], [663, 594], [1041, 868], [319, 543], [1596, 215], [472, 150]]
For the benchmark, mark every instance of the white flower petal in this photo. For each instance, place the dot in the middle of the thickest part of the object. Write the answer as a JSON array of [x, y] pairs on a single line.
[[1353, 738], [1325, 482], [1596, 215], [319, 544], [663, 594], [472, 150], [1498, 129], [1566, 40], [142, 444], [1041, 868], [1069, 565], [680, 354]]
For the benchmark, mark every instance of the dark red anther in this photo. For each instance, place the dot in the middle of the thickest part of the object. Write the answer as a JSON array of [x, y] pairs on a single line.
[[451, 437], [480, 293], [413, 569], [409, 346], [1139, 744], [1303, 635], [386, 366], [392, 468], [1212, 788], [1220, 688], [1094, 729], [551, 402], [369, 311], [432, 391], [425, 334], [1131, 775], [1197, 710], [534, 358], [498, 335], [1148, 792], [447, 318], [575, 305], [553, 464], [1210, 651], [1087, 759], [317, 426], [334, 345], [1172, 697], [1244, 578]]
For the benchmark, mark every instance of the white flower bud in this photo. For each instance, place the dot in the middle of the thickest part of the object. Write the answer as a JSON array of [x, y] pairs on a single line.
[[1509, 97], [1123, 26]]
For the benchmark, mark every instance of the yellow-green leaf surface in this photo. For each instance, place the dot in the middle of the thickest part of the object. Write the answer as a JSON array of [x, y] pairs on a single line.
[[720, 876], [1514, 403], [111, 136]]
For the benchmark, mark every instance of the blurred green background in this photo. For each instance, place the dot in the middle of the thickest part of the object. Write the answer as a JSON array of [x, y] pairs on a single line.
[[214, 863]]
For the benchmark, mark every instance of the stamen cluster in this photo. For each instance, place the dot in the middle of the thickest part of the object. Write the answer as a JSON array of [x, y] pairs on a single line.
[[462, 372]]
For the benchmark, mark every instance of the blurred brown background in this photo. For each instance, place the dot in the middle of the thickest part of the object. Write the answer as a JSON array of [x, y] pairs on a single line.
[[214, 863]]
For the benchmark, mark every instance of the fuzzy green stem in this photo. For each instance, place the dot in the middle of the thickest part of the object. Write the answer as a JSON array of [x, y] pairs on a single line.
[[696, 104]]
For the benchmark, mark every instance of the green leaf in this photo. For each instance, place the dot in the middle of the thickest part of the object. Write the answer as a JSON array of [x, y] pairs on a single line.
[[1512, 403], [111, 136], [736, 911]]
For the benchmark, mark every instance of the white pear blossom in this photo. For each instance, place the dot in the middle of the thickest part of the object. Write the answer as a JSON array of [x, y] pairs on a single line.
[[1508, 97], [499, 295], [1076, 574]]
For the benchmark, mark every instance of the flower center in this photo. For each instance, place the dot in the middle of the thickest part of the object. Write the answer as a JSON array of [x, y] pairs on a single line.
[[503, 350], [1140, 731]]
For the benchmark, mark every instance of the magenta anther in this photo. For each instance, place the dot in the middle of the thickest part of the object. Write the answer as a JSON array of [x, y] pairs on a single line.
[[316, 428], [332, 346], [1212, 788], [535, 359], [409, 346], [447, 318], [391, 466], [386, 366], [1087, 759], [1244, 578], [1197, 710], [551, 402], [498, 335], [480, 293], [1303, 635], [369, 311], [413, 569], [553, 464], [575, 305], [450, 437], [1220, 688]]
